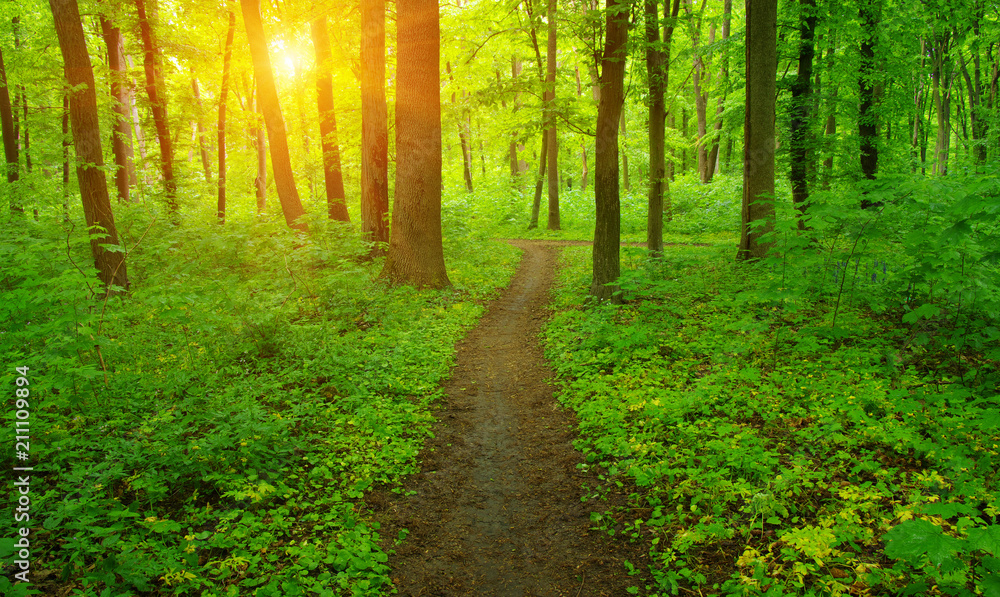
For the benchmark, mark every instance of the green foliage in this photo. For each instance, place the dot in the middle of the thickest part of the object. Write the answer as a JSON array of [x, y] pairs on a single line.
[[789, 426], [214, 432]]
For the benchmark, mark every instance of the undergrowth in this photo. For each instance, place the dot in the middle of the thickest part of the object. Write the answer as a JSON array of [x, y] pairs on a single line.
[[823, 422], [213, 433]]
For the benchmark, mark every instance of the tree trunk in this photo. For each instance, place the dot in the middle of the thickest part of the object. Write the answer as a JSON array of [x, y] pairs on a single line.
[[9, 137], [158, 103], [867, 118], [416, 253], [623, 135], [607, 231], [700, 94], [335, 201], [267, 92], [206, 165], [757, 213], [374, 125], [713, 154], [223, 94], [801, 121], [657, 121], [121, 136], [941, 77], [87, 141], [536, 205], [553, 137], [670, 16]]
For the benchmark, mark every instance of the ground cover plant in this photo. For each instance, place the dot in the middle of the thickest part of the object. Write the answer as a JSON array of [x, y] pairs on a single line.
[[214, 433], [820, 423]]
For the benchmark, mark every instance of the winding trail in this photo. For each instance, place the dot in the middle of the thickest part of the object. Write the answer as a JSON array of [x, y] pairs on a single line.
[[496, 509]]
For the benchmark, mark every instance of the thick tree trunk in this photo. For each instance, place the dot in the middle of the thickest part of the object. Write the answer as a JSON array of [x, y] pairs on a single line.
[[374, 124], [801, 121], [121, 135], [416, 254], [867, 118], [553, 137], [267, 93], [87, 141], [335, 201], [223, 94], [158, 102], [607, 231], [657, 121], [757, 213], [10, 149]]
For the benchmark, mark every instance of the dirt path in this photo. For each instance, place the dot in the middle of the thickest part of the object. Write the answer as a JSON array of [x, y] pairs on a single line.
[[496, 509]]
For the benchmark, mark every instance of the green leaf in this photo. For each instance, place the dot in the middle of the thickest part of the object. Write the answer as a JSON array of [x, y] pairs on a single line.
[[986, 539], [927, 310], [913, 539]]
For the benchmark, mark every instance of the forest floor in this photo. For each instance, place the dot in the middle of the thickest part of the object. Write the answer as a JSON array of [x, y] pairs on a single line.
[[496, 508]]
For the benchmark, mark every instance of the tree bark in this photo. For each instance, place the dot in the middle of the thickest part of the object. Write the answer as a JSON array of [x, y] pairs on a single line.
[[206, 165], [801, 121], [87, 141], [281, 164], [416, 253], [757, 213], [713, 154], [536, 204], [121, 136], [553, 137], [223, 94], [158, 102], [867, 118], [607, 231], [332, 175], [657, 122], [374, 125], [10, 149]]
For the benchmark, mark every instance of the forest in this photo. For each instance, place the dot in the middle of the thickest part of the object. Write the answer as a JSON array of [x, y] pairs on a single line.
[[512, 297]]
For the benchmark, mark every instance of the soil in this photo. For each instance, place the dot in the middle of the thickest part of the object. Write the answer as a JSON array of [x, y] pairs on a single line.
[[496, 508]]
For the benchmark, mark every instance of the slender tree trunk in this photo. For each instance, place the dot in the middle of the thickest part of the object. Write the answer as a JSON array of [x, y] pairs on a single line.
[[374, 125], [607, 231], [416, 254], [206, 165], [87, 141], [801, 121], [158, 101], [66, 144], [335, 201], [757, 214], [536, 205], [713, 154], [223, 94], [121, 136], [941, 76], [657, 122], [23, 103], [553, 137], [623, 141], [700, 93], [670, 13], [281, 164]]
